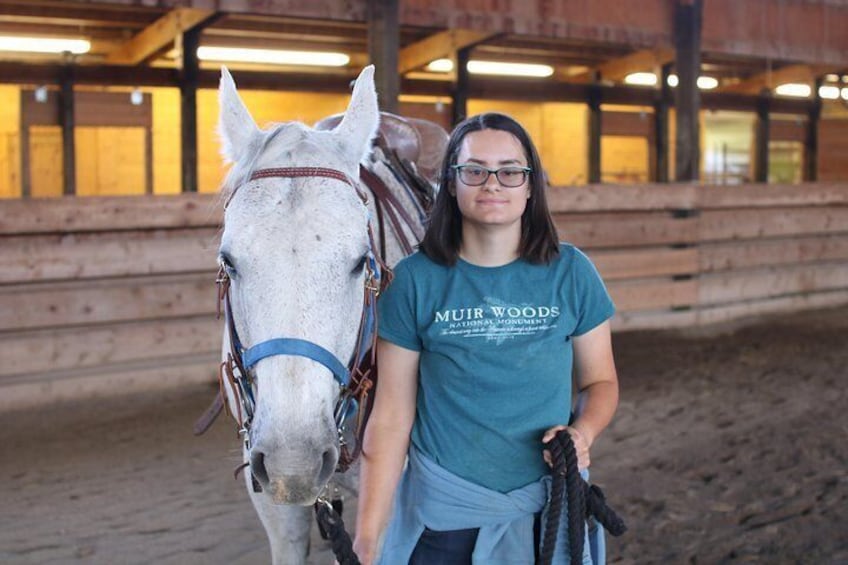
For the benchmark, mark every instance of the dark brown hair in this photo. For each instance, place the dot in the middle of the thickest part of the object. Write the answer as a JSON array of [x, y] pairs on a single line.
[[539, 241]]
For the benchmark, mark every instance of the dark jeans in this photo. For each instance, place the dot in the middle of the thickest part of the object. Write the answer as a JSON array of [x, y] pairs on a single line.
[[453, 547]]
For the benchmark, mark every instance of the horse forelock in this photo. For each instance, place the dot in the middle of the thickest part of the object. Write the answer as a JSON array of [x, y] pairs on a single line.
[[299, 138]]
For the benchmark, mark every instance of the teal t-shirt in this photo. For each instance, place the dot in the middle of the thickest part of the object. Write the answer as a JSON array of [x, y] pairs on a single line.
[[496, 357]]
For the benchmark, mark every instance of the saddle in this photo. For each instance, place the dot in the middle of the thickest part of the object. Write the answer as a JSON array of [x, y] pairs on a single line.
[[412, 140]]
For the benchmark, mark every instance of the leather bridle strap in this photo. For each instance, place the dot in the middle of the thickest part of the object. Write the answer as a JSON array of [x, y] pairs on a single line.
[[298, 347]]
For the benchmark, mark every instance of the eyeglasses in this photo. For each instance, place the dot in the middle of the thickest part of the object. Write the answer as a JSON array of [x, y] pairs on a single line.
[[477, 175]]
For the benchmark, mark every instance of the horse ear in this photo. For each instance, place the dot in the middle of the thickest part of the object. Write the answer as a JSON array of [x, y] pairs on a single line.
[[235, 124], [362, 117]]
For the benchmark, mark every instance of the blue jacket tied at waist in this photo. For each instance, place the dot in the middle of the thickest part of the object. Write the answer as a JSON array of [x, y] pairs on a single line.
[[429, 495]]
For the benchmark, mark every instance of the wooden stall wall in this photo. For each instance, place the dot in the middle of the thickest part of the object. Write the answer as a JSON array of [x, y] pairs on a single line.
[[687, 255], [105, 294]]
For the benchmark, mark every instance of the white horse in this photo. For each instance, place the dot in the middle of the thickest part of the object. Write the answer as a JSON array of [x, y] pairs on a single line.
[[295, 251]]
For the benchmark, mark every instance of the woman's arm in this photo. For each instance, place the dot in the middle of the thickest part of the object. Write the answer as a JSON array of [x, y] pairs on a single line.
[[386, 444], [597, 386]]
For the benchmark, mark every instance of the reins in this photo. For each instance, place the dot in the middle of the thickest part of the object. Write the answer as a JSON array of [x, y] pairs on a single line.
[[584, 502]]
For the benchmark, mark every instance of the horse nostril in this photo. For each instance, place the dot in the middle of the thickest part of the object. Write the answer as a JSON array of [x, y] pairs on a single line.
[[257, 467], [328, 465]]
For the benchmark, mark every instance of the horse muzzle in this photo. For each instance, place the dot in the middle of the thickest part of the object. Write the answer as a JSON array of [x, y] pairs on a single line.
[[300, 483]]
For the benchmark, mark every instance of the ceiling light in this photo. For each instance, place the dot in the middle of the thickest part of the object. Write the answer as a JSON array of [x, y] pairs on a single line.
[[40, 94], [440, 66], [509, 69], [829, 92], [704, 83], [707, 83], [641, 79], [272, 56], [796, 89], [845, 93], [495, 68], [43, 44], [831, 78]]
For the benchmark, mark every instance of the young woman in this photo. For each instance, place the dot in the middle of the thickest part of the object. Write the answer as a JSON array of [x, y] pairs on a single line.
[[479, 333]]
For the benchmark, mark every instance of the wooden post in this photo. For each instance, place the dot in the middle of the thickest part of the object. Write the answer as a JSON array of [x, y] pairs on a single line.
[[687, 45], [811, 146], [383, 49], [26, 176], [594, 153], [761, 162], [66, 121], [459, 102], [188, 109], [661, 126]]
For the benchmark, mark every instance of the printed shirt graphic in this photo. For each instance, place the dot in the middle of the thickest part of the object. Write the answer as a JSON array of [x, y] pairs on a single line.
[[496, 357]]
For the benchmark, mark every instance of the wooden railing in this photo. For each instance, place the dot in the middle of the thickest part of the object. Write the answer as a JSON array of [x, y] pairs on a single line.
[[687, 255], [106, 294], [100, 294]]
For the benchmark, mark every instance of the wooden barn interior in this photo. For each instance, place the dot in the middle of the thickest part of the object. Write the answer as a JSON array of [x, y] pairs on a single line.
[[696, 149]]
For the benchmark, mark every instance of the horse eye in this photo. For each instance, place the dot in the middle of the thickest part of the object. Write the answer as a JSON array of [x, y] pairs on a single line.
[[359, 265], [227, 263]]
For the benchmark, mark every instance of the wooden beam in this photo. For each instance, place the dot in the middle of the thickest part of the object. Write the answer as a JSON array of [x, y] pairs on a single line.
[[157, 36], [188, 110], [383, 46], [593, 155], [771, 79], [771, 282], [76, 303], [442, 44], [761, 139], [625, 229], [644, 60], [67, 121], [811, 142], [646, 262], [28, 352], [459, 98], [653, 294], [735, 255], [661, 129], [620, 198], [42, 258], [107, 213], [688, 17], [717, 225]]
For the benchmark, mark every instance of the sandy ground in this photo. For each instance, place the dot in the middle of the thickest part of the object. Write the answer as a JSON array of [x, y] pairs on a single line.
[[727, 448]]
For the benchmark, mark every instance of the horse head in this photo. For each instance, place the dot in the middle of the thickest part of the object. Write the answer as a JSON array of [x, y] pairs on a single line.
[[295, 250]]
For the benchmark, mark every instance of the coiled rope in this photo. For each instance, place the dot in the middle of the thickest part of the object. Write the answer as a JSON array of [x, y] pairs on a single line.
[[584, 501]]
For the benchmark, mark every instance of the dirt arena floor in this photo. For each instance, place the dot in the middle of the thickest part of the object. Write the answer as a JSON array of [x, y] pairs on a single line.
[[728, 447]]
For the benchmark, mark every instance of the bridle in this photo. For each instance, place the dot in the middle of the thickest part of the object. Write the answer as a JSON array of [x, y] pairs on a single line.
[[354, 378]]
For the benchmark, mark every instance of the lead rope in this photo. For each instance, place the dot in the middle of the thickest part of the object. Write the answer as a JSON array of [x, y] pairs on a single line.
[[584, 501], [331, 522]]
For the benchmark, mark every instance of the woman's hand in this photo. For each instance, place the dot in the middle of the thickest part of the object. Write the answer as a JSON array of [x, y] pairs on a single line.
[[365, 551], [581, 445]]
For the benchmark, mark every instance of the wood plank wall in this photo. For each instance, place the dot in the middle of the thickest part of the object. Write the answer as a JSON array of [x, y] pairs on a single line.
[[105, 294], [117, 293], [687, 255]]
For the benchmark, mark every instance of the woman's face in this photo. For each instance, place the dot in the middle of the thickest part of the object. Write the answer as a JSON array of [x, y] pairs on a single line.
[[492, 204]]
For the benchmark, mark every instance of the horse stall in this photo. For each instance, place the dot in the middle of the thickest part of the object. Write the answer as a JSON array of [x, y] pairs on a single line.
[[726, 445], [117, 294]]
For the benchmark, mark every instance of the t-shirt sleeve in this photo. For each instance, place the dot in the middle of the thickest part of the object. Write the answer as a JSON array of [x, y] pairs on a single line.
[[396, 310], [595, 304]]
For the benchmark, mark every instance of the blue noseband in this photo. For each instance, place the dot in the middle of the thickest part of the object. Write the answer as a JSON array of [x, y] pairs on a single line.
[[300, 347]]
